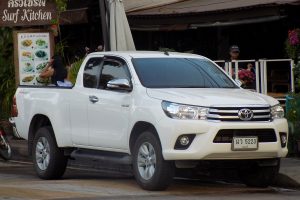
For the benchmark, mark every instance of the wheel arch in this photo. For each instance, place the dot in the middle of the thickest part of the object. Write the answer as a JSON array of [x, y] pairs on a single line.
[[38, 121], [138, 128]]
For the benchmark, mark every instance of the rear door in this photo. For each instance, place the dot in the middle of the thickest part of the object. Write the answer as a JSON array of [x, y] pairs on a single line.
[[80, 101]]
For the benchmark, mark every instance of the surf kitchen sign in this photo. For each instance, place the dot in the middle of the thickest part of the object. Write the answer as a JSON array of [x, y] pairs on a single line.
[[27, 12]]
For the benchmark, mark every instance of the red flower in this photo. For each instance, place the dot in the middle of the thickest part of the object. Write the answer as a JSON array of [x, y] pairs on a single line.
[[246, 75], [293, 37]]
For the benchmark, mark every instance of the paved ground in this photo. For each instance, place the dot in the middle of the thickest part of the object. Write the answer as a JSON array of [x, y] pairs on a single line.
[[18, 181], [289, 171], [291, 168]]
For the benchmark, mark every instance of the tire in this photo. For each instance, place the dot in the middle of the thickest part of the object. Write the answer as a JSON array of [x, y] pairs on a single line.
[[259, 176], [153, 173], [48, 160], [5, 149]]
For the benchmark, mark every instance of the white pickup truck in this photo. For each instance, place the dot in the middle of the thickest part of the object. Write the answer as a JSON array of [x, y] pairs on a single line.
[[156, 111]]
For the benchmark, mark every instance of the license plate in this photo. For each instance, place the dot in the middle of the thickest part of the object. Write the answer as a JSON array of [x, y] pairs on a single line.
[[244, 143]]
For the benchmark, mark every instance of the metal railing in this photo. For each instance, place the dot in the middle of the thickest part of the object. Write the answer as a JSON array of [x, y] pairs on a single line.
[[261, 72]]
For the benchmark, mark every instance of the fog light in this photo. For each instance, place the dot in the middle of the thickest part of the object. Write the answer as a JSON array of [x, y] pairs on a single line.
[[184, 141], [283, 139]]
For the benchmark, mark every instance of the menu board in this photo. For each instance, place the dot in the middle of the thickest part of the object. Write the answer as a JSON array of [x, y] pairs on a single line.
[[33, 56]]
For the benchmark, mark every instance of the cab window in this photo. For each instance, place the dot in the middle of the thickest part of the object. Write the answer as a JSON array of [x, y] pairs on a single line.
[[113, 69], [91, 72]]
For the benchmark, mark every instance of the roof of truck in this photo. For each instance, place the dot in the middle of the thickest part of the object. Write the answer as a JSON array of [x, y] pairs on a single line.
[[147, 54]]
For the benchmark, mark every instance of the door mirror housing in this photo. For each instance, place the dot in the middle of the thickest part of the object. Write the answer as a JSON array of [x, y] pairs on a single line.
[[119, 84]]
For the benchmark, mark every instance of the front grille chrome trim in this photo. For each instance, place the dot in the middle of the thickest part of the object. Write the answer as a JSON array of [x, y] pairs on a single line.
[[262, 117], [222, 113]]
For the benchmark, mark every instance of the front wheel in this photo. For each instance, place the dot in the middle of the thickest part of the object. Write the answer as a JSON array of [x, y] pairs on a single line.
[[5, 149], [49, 160], [151, 171], [259, 176]]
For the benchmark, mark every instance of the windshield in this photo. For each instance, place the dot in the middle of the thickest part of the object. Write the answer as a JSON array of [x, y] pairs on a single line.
[[180, 73]]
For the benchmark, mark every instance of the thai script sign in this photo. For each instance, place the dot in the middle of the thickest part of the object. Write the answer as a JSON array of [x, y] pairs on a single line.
[[26, 12]]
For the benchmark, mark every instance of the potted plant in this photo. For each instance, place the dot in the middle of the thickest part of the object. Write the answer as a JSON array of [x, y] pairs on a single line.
[[54, 27], [247, 78], [293, 99], [292, 44]]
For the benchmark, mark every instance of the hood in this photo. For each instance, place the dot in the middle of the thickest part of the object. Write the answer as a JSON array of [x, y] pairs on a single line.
[[210, 97]]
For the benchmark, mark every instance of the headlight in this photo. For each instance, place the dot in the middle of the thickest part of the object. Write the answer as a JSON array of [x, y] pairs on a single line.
[[277, 112], [181, 111]]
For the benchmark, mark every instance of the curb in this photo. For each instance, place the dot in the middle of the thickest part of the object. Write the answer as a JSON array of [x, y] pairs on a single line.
[[285, 181]]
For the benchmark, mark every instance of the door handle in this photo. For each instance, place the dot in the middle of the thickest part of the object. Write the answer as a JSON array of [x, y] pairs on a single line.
[[93, 99]]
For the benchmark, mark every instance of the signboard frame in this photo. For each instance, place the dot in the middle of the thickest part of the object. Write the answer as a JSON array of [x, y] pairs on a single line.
[[17, 50]]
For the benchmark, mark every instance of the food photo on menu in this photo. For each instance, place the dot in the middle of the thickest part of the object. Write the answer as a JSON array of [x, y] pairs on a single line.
[[41, 55], [28, 67], [28, 80], [40, 67], [42, 81], [26, 43], [27, 55], [40, 43]]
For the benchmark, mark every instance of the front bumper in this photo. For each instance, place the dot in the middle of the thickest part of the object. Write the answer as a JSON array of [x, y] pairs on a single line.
[[203, 147]]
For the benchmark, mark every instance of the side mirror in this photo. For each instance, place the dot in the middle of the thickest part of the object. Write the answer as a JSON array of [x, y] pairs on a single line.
[[119, 84], [238, 82]]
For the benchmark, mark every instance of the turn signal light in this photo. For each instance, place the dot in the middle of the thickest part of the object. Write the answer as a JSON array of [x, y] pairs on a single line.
[[283, 139]]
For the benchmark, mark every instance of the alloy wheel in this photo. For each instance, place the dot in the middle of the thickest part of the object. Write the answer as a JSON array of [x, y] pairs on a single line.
[[42, 153], [146, 161]]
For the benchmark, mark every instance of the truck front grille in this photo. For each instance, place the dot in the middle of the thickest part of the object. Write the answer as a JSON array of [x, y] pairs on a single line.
[[264, 135], [262, 113]]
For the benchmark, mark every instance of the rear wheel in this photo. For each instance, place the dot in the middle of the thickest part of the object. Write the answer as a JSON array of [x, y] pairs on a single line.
[[49, 160], [151, 171], [259, 176]]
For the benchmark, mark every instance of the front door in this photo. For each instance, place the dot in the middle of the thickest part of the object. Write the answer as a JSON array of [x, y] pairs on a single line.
[[109, 113]]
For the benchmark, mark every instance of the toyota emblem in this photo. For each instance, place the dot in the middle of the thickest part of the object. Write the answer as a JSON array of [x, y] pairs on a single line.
[[245, 114]]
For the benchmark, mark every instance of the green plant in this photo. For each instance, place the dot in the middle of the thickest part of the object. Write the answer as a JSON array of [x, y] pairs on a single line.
[[7, 88], [60, 48], [74, 70], [297, 75], [61, 6], [293, 109], [293, 115], [7, 74]]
